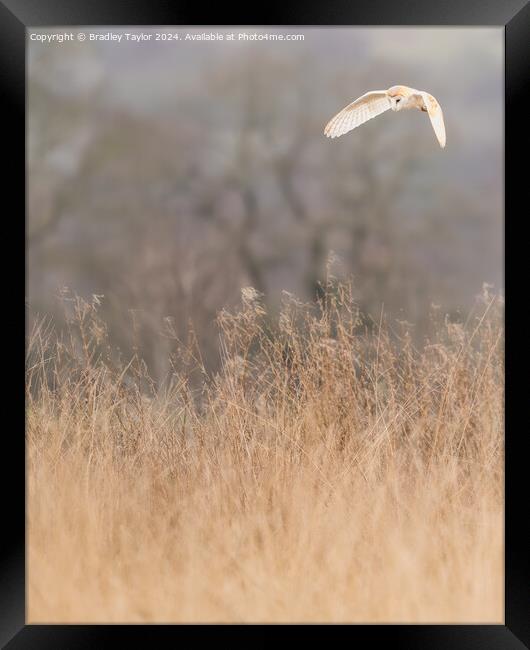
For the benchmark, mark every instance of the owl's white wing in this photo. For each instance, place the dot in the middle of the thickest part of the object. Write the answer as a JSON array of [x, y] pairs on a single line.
[[361, 110], [435, 113]]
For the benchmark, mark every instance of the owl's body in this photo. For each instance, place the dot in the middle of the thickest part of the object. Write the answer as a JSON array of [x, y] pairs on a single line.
[[375, 102], [406, 97]]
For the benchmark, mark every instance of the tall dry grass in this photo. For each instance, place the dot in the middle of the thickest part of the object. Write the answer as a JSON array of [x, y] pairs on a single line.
[[328, 472]]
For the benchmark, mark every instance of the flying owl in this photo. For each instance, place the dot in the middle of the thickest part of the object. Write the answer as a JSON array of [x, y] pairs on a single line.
[[376, 102]]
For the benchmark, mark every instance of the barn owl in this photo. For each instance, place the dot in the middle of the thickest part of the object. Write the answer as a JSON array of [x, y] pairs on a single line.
[[376, 102]]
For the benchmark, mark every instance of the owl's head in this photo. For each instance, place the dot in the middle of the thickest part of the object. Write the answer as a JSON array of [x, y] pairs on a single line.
[[397, 95], [395, 103]]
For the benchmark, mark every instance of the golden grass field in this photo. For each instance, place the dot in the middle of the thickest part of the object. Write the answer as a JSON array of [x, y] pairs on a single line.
[[329, 472]]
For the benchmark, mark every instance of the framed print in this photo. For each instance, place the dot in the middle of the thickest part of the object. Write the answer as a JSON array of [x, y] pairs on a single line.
[[265, 333]]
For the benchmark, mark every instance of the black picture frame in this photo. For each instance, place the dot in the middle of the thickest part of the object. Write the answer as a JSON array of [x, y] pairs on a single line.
[[15, 17]]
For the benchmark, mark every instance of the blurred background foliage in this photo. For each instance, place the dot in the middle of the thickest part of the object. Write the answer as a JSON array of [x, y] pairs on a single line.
[[166, 176]]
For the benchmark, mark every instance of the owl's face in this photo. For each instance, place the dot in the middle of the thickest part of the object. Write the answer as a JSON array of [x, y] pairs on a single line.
[[397, 98], [397, 102]]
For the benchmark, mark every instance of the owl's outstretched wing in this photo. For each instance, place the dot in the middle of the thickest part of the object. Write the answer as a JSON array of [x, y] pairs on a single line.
[[361, 110], [437, 119]]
